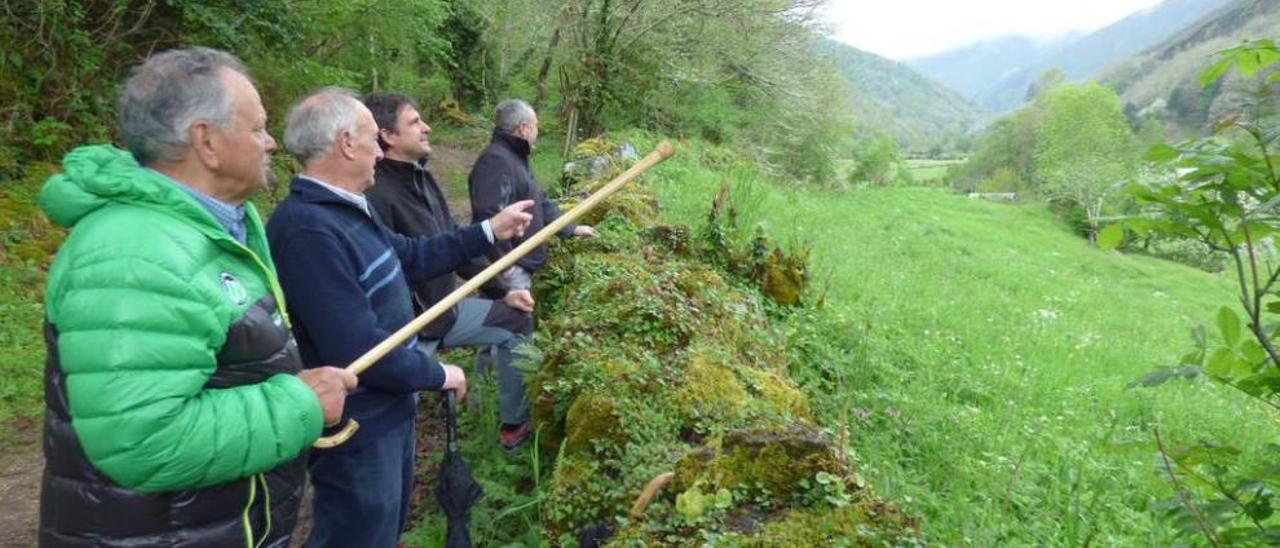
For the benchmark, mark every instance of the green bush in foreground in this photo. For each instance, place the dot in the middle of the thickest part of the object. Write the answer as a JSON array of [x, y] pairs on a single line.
[[1222, 193]]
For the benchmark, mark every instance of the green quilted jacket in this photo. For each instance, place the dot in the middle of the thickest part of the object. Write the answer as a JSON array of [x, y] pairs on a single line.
[[171, 367]]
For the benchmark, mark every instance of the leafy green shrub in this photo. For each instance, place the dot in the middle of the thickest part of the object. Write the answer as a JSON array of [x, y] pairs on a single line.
[[876, 161], [1223, 196], [1002, 180]]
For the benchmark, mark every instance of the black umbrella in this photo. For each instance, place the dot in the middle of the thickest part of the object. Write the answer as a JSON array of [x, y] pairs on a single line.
[[457, 491]]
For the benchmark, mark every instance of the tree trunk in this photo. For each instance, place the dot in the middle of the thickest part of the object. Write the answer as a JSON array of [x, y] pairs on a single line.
[[545, 70]]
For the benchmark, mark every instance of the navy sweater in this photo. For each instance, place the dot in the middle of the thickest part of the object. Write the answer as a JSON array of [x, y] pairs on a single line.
[[345, 279]]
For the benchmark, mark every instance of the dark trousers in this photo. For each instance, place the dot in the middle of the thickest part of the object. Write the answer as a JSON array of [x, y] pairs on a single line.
[[362, 496], [483, 323]]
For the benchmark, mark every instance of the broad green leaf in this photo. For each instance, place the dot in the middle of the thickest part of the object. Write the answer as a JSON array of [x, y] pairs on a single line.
[[1265, 383], [1162, 153], [1192, 359], [1229, 325], [1248, 62], [1221, 363], [1111, 237], [1204, 453], [1215, 71], [1263, 56], [1275, 77], [1252, 352]]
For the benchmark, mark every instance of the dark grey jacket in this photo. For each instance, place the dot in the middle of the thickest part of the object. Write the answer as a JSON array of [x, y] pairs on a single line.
[[502, 177]]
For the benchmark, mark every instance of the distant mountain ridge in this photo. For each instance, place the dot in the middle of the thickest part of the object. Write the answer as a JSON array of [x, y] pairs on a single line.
[[996, 73], [921, 114], [1164, 80]]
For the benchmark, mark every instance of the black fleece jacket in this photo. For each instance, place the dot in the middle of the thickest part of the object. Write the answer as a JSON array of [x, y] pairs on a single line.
[[502, 177], [408, 200]]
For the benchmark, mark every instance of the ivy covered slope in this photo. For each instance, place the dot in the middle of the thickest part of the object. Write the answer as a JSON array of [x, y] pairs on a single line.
[[660, 352]]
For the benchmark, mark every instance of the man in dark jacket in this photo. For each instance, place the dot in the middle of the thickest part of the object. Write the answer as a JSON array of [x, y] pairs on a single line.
[[178, 410], [345, 276], [502, 175], [410, 202]]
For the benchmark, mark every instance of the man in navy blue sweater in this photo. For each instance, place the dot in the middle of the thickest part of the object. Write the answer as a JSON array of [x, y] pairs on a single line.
[[345, 279]]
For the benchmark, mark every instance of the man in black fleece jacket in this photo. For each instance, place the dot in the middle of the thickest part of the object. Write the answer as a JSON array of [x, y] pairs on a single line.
[[502, 176], [344, 278], [410, 202]]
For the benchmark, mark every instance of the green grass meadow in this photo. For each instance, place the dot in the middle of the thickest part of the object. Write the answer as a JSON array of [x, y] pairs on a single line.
[[980, 354], [930, 172]]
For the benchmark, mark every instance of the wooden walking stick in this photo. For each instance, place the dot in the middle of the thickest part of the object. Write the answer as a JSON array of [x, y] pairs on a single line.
[[662, 152]]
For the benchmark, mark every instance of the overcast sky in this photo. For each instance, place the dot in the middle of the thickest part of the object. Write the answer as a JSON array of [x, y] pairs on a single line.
[[900, 29]]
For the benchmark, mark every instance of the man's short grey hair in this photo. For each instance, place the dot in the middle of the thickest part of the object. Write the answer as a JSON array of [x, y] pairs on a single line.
[[511, 113], [316, 120], [168, 93]]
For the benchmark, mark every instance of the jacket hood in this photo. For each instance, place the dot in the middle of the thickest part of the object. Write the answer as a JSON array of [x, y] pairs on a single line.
[[96, 176]]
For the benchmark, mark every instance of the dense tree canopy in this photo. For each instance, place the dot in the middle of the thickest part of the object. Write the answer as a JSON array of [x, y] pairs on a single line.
[[737, 71], [1083, 145]]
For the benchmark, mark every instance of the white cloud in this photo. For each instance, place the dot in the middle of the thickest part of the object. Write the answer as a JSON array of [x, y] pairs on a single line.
[[901, 29]]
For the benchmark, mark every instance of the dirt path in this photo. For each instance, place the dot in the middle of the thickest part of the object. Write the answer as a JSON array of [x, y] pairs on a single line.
[[450, 165], [21, 465]]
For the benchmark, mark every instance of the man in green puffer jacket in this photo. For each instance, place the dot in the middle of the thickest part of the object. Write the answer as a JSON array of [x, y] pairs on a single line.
[[177, 409]]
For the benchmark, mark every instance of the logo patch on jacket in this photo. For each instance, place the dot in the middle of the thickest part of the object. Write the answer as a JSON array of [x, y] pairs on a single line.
[[234, 289]]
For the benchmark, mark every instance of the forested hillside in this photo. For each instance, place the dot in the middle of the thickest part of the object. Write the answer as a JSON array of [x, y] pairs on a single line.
[[1164, 82], [743, 71], [923, 116], [992, 72]]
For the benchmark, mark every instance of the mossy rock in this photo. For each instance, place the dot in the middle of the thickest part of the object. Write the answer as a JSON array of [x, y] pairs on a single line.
[[674, 238], [781, 461], [451, 110], [636, 208], [702, 283], [595, 146], [868, 523], [783, 277], [776, 394], [709, 393], [591, 418]]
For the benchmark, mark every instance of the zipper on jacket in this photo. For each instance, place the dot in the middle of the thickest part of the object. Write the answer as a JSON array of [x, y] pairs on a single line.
[[244, 518], [266, 509]]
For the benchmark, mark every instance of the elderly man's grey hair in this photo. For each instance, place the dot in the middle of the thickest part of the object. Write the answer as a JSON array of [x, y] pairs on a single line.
[[169, 92], [511, 113], [316, 120]]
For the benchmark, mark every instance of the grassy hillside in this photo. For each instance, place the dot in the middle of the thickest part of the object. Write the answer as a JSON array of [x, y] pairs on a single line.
[[980, 352], [918, 112], [1165, 78]]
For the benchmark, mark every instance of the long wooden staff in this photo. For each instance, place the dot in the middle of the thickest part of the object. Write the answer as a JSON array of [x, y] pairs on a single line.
[[411, 329]]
